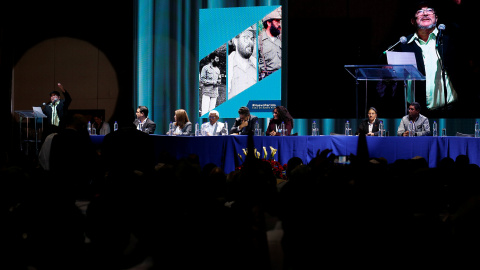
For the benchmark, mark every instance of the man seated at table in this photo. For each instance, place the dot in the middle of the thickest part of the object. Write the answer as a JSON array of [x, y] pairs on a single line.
[[213, 127], [420, 122], [244, 123], [143, 123]]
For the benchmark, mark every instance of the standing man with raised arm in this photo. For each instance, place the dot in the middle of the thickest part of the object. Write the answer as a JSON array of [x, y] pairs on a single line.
[[56, 111]]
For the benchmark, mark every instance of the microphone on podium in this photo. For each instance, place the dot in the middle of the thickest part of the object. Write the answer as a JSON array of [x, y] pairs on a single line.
[[402, 40]]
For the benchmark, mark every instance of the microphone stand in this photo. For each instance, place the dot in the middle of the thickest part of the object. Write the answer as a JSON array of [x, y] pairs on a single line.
[[440, 49]]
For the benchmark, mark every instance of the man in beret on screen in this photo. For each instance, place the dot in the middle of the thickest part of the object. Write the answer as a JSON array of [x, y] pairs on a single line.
[[270, 44]]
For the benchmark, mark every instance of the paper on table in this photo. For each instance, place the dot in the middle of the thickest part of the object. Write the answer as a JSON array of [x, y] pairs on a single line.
[[401, 58], [38, 112]]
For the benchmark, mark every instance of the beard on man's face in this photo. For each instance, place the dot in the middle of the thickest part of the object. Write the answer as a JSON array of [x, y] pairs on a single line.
[[245, 50], [274, 31], [424, 27]]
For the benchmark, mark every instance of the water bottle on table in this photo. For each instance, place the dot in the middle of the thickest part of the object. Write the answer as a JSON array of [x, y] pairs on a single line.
[[381, 129], [314, 129], [411, 129], [197, 131], [170, 129], [225, 129], [257, 129], [347, 129]]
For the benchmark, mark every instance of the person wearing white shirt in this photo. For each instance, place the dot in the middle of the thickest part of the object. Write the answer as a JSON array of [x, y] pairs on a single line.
[[242, 63], [101, 128], [370, 125], [213, 127]]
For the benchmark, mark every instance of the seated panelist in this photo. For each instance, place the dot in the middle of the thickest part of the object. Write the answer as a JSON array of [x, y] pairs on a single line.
[[244, 123], [213, 127], [182, 126], [280, 114], [369, 126], [143, 123], [421, 125]]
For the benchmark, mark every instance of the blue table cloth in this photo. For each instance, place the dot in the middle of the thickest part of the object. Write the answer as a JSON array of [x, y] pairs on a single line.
[[228, 151]]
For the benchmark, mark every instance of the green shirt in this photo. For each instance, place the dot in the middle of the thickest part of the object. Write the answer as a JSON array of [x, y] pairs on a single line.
[[433, 73]]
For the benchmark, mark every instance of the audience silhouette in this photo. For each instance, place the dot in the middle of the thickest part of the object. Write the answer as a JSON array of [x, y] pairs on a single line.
[[165, 211]]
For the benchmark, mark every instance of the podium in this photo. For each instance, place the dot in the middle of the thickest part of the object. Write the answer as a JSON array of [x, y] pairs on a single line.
[[26, 134], [384, 72]]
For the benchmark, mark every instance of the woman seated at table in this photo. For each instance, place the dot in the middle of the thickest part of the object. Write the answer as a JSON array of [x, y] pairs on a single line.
[[182, 126], [101, 128], [369, 126], [280, 114]]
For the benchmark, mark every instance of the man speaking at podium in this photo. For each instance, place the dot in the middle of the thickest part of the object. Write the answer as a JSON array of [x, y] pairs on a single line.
[[56, 111], [446, 89]]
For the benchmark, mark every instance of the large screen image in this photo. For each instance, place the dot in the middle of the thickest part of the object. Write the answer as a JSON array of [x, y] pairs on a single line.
[[240, 60]]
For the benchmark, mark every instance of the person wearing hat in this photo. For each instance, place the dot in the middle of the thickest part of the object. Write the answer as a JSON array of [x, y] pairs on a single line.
[[242, 64], [56, 111], [210, 78], [270, 44]]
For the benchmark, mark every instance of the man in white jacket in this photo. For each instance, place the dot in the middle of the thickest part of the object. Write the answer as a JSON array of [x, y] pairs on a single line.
[[213, 127]]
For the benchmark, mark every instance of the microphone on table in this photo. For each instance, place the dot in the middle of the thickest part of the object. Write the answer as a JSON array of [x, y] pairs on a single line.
[[402, 40], [439, 36]]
